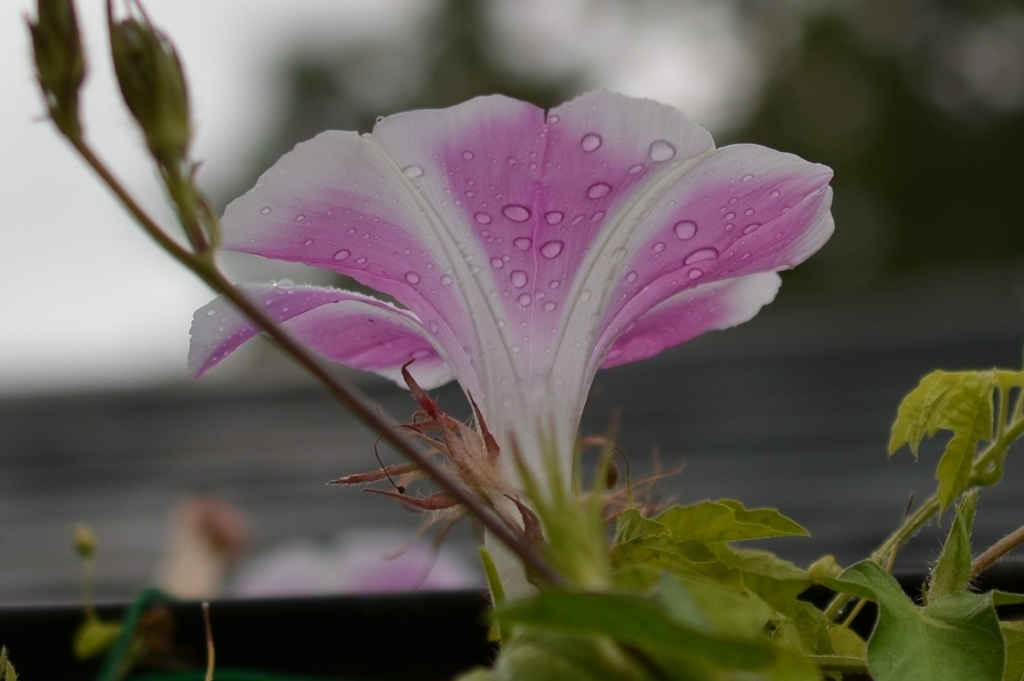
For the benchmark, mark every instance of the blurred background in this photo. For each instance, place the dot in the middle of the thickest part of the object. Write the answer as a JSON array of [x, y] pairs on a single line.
[[918, 106]]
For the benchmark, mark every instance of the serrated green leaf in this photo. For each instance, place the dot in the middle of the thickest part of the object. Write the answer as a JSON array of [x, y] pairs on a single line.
[[952, 572], [776, 581], [1013, 635], [631, 525], [914, 412], [954, 639], [709, 522]]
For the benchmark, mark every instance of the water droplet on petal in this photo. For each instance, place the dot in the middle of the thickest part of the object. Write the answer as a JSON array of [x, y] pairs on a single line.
[[662, 150], [744, 256], [685, 229], [597, 216], [516, 213], [300, 217], [550, 306], [413, 171], [482, 218], [748, 178], [635, 169], [694, 274], [554, 217], [700, 255], [730, 215], [751, 227], [360, 261], [599, 190], [412, 277], [284, 284], [552, 249], [585, 296], [591, 141], [578, 219], [775, 193], [524, 299], [265, 210], [433, 326], [497, 263], [519, 278], [446, 280], [307, 242], [631, 277], [552, 119], [749, 211], [523, 243], [468, 155], [658, 247], [210, 313]]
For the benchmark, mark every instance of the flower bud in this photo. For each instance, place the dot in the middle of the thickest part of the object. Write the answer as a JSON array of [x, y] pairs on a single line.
[[152, 84], [60, 61], [84, 541], [824, 568]]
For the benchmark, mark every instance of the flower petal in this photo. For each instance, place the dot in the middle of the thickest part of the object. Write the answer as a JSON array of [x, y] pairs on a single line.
[[341, 326], [690, 313]]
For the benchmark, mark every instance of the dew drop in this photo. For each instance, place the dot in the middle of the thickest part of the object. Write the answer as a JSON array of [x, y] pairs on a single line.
[[661, 150], [744, 256], [412, 277], [265, 210], [552, 119], [775, 193], [552, 249], [523, 243], [752, 227], [694, 274], [550, 306], [658, 247], [360, 261], [413, 171], [524, 299], [748, 178], [730, 215], [210, 313], [468, 155], [597, 216], [516, 213], [446, 280], [342, 254], [749, 211], [631, 277], [585, 296], [554, 217], [599, 190], [433, 326], [519, 278], [591, 141], [300, 217], [635, 169], [307, 242], [284, 284], [578, 219], [700, 255], [497, 263], [482, 218], [685, 229]]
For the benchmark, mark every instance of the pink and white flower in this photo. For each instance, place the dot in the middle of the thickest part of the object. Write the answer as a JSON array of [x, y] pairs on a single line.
[[528, 249]]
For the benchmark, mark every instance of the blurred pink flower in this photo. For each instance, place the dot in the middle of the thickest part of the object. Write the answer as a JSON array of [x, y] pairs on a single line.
[[529, 249]]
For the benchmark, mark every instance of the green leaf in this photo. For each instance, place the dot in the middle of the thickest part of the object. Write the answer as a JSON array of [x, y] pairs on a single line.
[[631, 525], [952, 573], [954, 639], [636, 622], [7, 672], [95, 637], [1013, 635], [776, 581], [729, 611], [725, 521], [552, 658], [1006, 598], [960, 402]]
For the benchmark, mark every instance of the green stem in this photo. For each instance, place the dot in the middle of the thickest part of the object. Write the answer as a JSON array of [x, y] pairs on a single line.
[[203, 265]]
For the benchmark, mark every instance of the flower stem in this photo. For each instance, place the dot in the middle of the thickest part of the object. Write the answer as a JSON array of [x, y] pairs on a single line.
[[997, 551], [203, 265]]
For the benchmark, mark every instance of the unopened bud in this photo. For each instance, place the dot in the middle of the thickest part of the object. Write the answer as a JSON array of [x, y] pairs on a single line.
[[84, 541], [824, 568], [611, 474], [152, 84], [60, 61]]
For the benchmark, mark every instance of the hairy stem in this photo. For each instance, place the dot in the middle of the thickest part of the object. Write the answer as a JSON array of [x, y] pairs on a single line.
[[997, 551], [203, 265]]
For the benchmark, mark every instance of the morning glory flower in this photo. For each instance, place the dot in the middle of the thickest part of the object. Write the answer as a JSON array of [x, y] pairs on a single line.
[[526, 249]]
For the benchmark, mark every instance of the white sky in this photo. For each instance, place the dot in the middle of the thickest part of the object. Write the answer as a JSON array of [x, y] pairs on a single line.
[[90, 302]]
